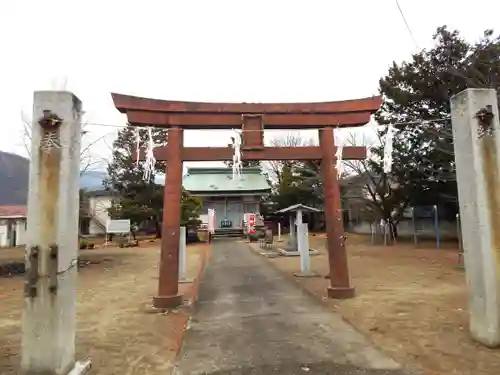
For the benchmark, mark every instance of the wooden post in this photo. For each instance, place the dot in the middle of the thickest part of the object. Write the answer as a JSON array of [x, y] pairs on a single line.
[[339, 270], [49, 319], [476, 133], [168, 285]]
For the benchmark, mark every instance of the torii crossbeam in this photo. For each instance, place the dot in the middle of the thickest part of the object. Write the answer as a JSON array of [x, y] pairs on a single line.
[[252, 118]]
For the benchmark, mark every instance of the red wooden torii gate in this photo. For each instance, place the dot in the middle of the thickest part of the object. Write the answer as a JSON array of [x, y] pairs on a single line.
[[251, 118]]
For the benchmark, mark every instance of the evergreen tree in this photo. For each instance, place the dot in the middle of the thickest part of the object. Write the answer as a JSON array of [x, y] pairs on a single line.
[[136, 199], [420, 90], [418, 93]]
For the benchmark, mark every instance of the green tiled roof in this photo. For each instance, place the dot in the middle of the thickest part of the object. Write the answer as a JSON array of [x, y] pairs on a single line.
[[221, 180]]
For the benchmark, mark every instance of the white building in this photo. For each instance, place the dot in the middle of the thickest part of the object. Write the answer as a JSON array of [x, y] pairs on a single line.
[[12, 226], [95, 212]]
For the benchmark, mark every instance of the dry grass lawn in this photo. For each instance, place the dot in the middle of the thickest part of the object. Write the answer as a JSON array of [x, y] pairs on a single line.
[[115, 328], [411, 302]]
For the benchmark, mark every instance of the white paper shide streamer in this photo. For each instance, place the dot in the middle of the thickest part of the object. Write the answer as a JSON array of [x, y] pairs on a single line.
[[137, 146], [149, 165], [237, 164], [388, 149], [339, 143]]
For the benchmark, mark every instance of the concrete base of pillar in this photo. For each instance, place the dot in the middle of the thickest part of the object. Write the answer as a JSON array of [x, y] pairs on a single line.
[[269, 254], [167, 302], [306, 274], [81, 368], [295, 253], [341, 293]]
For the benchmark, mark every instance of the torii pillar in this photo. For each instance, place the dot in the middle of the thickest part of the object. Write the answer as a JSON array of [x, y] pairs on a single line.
[[168, 285], [340, 284]]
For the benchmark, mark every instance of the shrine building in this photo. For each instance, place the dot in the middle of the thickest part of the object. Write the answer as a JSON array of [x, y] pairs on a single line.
[[230, 198]]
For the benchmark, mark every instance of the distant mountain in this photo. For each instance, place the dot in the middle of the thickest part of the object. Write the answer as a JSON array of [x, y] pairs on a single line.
[[14, 173], [92, 180]]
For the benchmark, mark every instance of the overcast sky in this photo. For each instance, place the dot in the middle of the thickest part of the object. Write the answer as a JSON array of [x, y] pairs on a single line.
[[235, 50]]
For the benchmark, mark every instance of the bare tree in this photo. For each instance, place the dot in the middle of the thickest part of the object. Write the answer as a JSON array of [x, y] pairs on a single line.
[[87, 159], [274, 167], [375, 195]]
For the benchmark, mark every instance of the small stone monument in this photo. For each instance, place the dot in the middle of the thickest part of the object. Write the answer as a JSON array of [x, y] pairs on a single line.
[[298, 243]]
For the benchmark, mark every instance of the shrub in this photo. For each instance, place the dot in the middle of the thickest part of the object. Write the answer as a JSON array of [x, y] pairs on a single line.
[[253, 237]]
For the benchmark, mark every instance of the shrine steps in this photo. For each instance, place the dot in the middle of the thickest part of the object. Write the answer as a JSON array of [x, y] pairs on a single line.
[[228, 232]]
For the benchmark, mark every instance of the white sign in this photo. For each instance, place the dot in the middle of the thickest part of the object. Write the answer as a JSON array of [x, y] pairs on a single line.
[[118, 226]]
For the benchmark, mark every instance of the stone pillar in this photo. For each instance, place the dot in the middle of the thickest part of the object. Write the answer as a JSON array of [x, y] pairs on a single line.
[[477, 157], [168, 285], [183, 257], [337, 257], [49, 317], [302, 243], [292, 238]]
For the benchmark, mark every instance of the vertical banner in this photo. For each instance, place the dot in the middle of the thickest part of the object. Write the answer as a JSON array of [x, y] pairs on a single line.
[[251, 223]]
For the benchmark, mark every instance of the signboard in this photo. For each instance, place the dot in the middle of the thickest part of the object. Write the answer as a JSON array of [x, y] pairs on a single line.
[[118, 226], [424, 212], [408, 213]]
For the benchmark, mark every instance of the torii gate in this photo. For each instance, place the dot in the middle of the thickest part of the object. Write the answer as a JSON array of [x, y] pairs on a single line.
[[177, 116]]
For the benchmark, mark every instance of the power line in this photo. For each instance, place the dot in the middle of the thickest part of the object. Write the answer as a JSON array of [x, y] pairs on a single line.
[[407, 25], [368, 125]]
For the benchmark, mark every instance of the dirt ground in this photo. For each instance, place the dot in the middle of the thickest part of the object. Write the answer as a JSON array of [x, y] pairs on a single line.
[[412, 302], [116, 328]]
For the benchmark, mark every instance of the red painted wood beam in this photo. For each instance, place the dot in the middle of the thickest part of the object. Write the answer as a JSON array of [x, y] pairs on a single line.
[[231, 121], [126, 103], [268, 153]]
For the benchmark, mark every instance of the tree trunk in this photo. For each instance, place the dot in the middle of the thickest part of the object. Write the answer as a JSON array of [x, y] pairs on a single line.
[[393, 229], [158, 229]]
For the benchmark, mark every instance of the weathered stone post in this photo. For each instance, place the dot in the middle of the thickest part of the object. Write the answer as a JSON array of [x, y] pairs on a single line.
[[48, 337], [292, 238], [183, 257], [476, 134], [303, 247], [182, 254]]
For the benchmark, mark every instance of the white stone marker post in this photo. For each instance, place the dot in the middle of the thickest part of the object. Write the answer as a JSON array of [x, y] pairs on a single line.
[[300, 241], [279, 232], [476, 134], [292, 238], [305, 258], [303, 247], [48, 332], [183, 257]]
